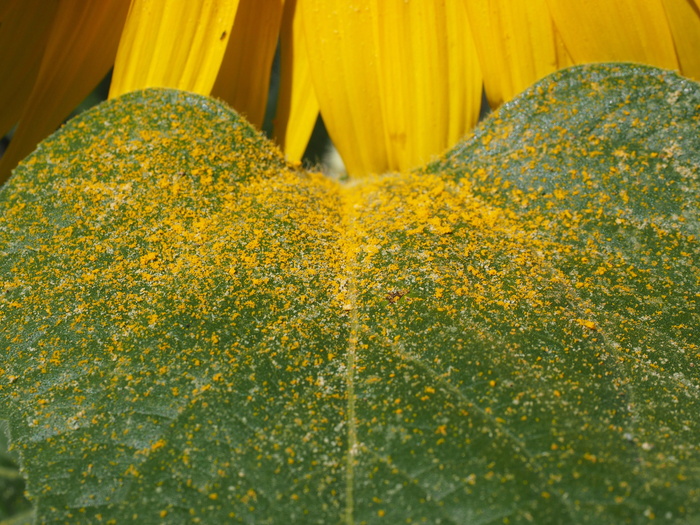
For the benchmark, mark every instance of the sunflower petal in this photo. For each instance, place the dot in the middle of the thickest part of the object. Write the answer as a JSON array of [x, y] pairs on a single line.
[[80, 50], [396, 81], [244, 77], [430, 80], [517, 45], [684, 21], [5, 7], [24, 29], [620, 30], [342, 61], [173, 44], [563, 57], [297, 107]]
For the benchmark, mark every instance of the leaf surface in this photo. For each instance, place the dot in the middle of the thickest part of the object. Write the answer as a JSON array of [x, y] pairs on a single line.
[[194, 331]]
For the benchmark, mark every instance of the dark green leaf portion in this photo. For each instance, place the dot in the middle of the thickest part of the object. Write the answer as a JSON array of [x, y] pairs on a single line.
[[619, 139], [599, 166], [12, 500], [168, 307], [493, 387], [606, 159]]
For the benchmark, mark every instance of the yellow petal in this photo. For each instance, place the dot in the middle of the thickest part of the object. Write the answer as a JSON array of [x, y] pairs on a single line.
[[297, 107], [396, 81], [563, 57], [429, 77], [244, 79], [343, 63], [79, 52], [517, 45], [176, 44], [465, 78], [684, 22], [24, 29], [619, 30]]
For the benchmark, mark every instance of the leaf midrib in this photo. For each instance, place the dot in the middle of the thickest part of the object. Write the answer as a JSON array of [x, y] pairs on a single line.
[[349, 218]]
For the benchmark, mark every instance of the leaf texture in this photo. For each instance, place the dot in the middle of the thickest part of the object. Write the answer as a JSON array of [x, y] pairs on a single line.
[[192, 330]]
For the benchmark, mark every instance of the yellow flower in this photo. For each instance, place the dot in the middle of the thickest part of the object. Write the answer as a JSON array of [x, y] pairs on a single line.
[[396, 81]]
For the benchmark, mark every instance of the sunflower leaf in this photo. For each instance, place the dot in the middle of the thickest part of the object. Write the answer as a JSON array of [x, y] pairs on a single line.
[[192, 330]]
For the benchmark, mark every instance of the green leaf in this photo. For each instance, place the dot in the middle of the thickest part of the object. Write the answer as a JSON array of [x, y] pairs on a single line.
[[194, 332]]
